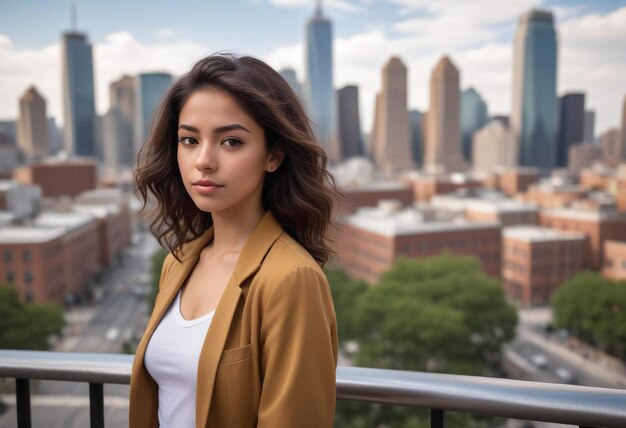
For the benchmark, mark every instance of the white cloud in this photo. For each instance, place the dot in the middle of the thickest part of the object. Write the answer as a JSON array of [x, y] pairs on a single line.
[[592, 58], [476, 12], [291, 56], [20, 69], [119, 54], [338, 5], [5, 42]]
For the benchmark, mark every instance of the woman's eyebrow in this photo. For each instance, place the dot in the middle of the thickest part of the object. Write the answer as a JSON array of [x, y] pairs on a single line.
[[233, 127], [189, 128], [225, 128]]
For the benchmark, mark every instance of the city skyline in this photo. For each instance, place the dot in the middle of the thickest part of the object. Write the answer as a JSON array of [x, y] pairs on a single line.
[[365, 35]]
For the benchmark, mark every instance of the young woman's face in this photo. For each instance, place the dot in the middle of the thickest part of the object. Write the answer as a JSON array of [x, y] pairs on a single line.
[[219, 142]]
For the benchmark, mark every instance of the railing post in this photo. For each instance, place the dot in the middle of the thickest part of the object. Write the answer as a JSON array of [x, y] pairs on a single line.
[[436, 418], [96, 405], [22, 397]]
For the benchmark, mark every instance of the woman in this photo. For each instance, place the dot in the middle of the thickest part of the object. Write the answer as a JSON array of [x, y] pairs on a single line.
[[243, 331]]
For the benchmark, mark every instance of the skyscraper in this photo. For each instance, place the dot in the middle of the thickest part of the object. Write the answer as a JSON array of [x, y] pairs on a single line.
[[149, 90], [32, 132], [318, 91], [349, 122], [443, 132], [571, 125], [78, 95], [589, 134], [493, 147], [417, 132], [473, 117], [534, 111], [391, 148], [289, 74], [118, 125]]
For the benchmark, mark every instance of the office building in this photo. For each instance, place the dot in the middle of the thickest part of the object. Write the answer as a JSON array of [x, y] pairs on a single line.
[[534, 110], [493, 147], [443, 132], [32, 130], [571, 125], [474, 115], [149, 91], [78, 95], [349, 122], [319, 93]]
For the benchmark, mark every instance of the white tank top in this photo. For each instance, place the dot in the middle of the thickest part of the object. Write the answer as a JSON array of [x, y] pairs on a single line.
[[172, 360]]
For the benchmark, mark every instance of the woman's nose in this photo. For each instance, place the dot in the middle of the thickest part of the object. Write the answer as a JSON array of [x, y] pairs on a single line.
[[207, 157]]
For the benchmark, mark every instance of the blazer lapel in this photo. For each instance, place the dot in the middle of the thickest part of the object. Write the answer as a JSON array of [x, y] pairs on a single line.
[[252, 254], [177, 275]]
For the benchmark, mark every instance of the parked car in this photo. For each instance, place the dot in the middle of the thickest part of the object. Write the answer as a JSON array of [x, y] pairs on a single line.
[[565, 375], [539, 360]]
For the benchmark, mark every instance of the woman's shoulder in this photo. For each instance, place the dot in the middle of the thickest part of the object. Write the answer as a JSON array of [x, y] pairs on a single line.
[[288, 256]]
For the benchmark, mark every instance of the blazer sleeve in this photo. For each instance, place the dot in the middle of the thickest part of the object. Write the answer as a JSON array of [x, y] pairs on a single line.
[[298, 353]]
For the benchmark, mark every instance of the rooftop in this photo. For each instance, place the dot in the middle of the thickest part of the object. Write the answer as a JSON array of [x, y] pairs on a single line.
[[391, 221], [29, 234], [540, 234]]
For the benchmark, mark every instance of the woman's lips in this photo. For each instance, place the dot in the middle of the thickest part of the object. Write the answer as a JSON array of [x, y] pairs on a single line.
[[206, 190]]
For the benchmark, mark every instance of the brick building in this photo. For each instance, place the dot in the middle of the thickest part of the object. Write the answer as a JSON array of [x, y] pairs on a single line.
[[33, 261], [60, 177], [80, 247], [516, 180], [537, 260], [598, 226], [368, 195], [427, 186], [370, 240], [614, 260]]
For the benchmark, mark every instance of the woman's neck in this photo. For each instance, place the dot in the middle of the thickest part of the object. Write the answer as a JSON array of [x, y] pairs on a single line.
[[231, 230]]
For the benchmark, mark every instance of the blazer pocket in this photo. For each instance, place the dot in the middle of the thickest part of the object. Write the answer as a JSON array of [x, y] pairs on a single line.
[[233, 355]]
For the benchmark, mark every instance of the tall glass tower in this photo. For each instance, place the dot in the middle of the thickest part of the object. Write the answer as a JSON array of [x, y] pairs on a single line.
[[319, 94], [149, 91], [78, 95], [474, 116], [534, 113]]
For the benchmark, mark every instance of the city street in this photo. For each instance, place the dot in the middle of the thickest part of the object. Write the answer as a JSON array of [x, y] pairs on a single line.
[[102, 327]]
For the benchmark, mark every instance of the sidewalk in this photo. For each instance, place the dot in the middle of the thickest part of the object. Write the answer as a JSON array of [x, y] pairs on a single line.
[[76, 320], [603, 366]]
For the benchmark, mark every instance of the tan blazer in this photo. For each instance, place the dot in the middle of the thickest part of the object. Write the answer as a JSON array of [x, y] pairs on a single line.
[[270, 354]]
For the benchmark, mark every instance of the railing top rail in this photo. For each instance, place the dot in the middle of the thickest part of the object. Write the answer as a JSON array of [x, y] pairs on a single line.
[[547, 402]]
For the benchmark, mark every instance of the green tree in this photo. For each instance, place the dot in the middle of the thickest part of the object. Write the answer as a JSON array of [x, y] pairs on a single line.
[[345, 292], [156, 265], [440, 314], [593, 309], [27, 326]]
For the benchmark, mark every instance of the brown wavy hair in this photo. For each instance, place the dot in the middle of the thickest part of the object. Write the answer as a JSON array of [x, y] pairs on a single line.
[[300, 193]]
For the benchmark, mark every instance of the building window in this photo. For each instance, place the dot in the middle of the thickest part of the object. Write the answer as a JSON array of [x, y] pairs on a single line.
[[8, 255], [27, 256], [623, 264], [10, 276], [29, 296], [28, 277]]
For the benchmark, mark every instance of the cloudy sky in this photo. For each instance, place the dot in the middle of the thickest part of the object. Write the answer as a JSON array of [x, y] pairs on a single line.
[[159, 35]]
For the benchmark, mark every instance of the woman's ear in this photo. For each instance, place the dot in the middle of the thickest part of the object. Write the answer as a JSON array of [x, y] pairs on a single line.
[[274, 159]]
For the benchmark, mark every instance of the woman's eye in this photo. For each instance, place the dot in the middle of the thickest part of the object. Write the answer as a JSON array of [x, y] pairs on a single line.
[[186, 140], [232, 142]]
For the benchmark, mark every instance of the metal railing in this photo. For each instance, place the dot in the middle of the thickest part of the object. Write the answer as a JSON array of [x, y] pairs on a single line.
[[547, 402]]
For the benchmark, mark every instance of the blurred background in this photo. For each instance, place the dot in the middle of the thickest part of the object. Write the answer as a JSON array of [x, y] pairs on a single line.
[[481, 148]]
